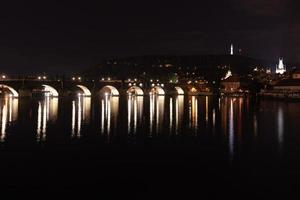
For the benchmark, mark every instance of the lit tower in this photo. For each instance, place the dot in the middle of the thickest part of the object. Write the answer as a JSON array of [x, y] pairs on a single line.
[[228, 74], [231, 49], [280, 68]]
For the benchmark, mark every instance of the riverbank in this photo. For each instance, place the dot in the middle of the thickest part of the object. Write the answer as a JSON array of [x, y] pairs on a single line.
[[283, 95]]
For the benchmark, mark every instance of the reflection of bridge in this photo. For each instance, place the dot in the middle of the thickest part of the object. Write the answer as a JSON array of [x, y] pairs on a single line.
[[21, 88]]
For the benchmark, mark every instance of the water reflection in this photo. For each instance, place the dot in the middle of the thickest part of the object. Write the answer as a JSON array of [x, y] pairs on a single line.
[[109, 113], [280, 126], [193, 113], [214, 120], [8, 114], [231, 130], [206, 109], [134, 112], [176, 110], [171, 115], [156, 113], [81, 110], [231, 122], [47, 111], [255, 124]]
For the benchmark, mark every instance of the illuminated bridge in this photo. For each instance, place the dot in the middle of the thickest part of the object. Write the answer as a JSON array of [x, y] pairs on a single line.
[[56, 87]]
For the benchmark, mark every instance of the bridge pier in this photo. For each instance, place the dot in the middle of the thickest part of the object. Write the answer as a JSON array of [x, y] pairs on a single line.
[[25, 93]]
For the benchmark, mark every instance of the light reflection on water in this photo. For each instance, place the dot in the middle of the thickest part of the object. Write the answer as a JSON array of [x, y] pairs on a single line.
[[134, 112], [280, 126], [193, 113], [231, 122], [109, 114], [157, 104], [8, 114], [227, 118], [47, 111], [176, 111], [81, 112]]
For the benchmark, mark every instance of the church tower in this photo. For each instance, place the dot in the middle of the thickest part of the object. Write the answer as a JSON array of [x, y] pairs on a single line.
[[231, 49], [280, 68]]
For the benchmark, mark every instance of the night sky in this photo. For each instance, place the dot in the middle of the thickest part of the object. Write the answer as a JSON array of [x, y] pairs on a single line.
[[66, 36]]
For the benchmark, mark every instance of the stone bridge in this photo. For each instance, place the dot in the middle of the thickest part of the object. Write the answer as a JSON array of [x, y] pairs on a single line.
[[28, 87]]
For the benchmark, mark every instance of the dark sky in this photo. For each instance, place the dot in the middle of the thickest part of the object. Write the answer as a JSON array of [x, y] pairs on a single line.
[[65, 36]]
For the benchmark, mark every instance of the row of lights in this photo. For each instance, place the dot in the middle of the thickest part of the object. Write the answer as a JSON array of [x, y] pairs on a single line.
[[129, 80], [103, 79], [171, 81], [189, 82], [42, 77], [78, 78], [162, 85], [134, 84]]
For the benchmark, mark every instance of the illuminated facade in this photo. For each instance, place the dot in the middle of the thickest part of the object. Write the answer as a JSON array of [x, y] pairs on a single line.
[[280, 68], [228, 74]]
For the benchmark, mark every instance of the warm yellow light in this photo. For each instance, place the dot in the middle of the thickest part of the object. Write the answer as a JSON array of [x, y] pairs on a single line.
[[193, 89]]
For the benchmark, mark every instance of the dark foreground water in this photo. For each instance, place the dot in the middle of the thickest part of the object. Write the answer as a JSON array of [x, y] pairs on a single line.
[[150, 147]]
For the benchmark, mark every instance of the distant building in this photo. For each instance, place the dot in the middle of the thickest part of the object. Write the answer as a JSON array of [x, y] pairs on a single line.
[[228, 74], [234, 84], [292, 84], [288, 85], [296, 74], [280, 68], [231, 49]]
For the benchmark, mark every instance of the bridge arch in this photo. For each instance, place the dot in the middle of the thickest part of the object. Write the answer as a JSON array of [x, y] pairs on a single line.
[[179, 90], [13, 92], [157, 90], [109, 90], [50, 90], [85, 90], [135, 90]]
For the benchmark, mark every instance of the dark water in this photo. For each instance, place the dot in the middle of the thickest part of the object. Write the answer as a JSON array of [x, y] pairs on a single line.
[[150, 147]]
